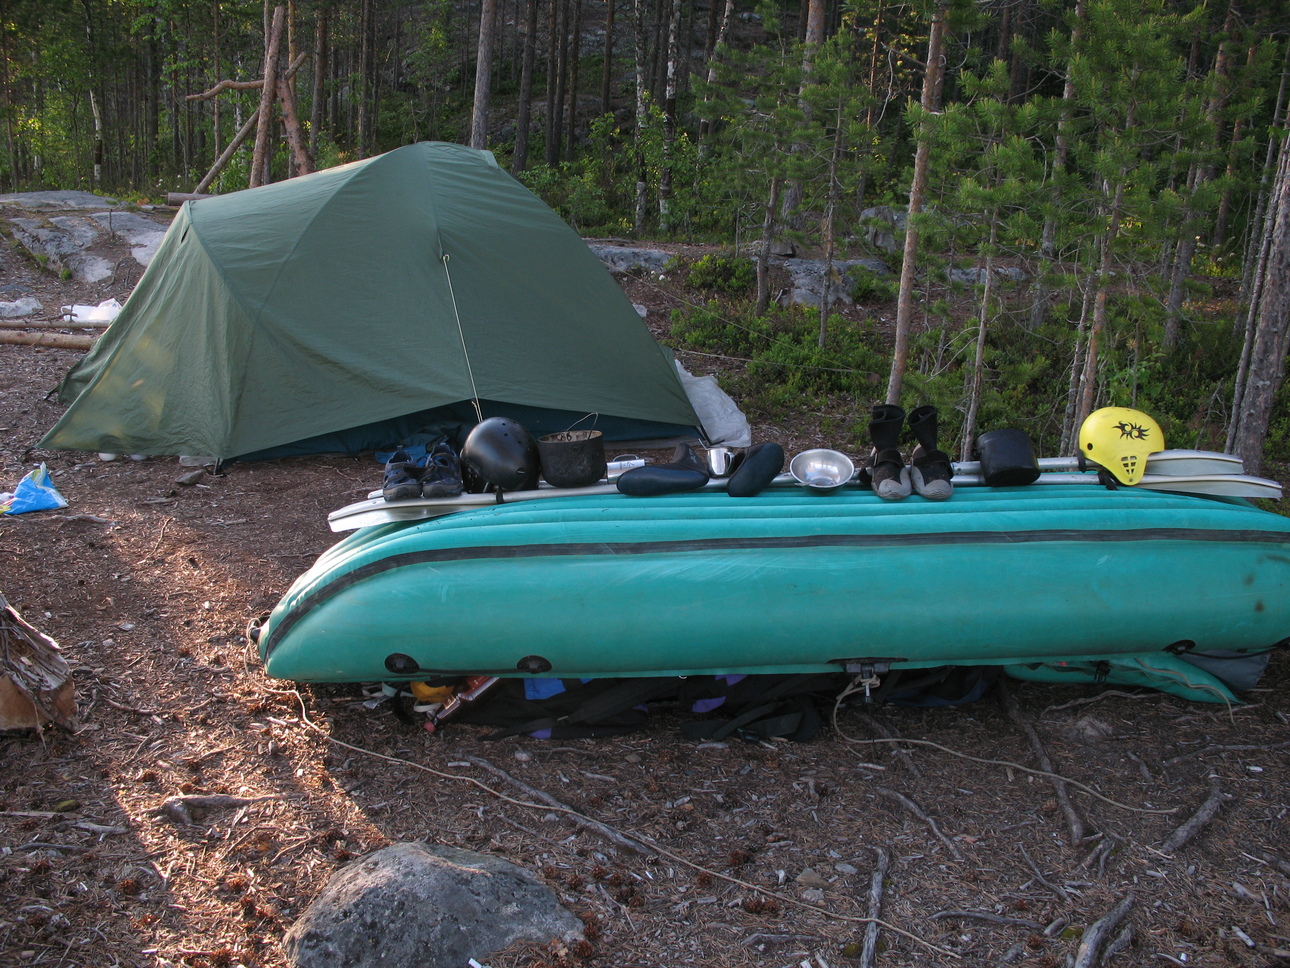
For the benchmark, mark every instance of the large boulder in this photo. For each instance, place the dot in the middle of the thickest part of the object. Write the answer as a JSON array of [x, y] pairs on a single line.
[[417, 905], [620, 259], [85, 243], [808, 279], [884, 227]]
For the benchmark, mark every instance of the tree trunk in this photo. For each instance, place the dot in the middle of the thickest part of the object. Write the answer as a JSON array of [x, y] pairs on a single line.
[[520, 159], [669, 122], [1061, 150], [91, 56], [1069, 431], [1272, 332], [1233, 150], [264, 124], [638, 135], [302, 161], [705, 125], [1185, 251], [1186, 247], [365, 57], [977, 380], [767, 242], [1088, 380], [552, 60], [575, 50], [1256, 237], [559, 66], [931, 98], [483, 74], [830, 210], [607, 75], [320, 74], [812, 38], [6, 103]]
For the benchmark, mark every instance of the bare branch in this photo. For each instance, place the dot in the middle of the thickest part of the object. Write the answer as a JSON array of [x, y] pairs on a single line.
[[1208, 810]]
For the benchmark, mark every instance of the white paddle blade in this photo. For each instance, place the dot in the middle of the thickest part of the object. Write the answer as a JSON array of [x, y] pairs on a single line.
[[1166, 463], [1210, 485]]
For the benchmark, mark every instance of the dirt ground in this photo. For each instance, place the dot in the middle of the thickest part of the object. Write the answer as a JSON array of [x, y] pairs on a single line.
[[762, 854]]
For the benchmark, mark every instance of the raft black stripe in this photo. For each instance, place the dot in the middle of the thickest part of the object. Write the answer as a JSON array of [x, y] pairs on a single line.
[[904, 540]]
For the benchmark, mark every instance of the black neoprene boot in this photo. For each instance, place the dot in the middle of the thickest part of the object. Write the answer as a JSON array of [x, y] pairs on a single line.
[[887, 472], [930, 471]]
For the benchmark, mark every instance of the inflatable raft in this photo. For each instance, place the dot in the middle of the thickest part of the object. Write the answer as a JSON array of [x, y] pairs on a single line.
[[789, 581]]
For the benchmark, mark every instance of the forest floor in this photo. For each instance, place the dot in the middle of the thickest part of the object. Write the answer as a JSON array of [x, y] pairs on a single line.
[[764, 853]]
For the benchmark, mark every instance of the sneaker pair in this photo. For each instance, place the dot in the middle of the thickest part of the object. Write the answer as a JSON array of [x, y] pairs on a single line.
[[438, 474]]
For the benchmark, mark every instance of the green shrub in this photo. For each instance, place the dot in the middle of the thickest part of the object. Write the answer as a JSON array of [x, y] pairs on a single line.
[[869, 287], [730, 275]]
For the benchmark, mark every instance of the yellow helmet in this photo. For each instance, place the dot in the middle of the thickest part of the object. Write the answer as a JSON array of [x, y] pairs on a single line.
[[1120, 440]]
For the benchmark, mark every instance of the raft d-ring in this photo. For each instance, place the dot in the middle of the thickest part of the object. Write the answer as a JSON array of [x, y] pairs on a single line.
[[869, 679]]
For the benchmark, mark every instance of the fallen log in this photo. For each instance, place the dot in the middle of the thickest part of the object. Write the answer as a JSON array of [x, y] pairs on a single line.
[[178, 198], [19, 323], [226, 154], [62, 341]]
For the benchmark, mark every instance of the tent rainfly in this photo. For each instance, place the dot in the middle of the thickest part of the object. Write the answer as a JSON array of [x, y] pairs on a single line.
[[346, 309]]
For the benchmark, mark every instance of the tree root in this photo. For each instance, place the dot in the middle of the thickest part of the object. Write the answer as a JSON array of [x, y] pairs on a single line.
[[917, 811], [1074, 825], [581, 820]]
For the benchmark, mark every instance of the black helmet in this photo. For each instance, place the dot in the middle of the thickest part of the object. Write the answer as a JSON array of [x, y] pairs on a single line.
[[503, 453]]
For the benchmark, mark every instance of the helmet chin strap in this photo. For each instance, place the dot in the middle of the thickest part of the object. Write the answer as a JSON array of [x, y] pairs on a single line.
[[470, 372]]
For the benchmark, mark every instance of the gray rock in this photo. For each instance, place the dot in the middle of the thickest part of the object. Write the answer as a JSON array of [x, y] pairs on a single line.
[[57, 237], [69, 241], [63, 241], [975, 276], [810, 877], [884, 227], [57, 201], [20, 307], [415, 905], [624, 259], [88, 268], [143, 235], [808, 279]]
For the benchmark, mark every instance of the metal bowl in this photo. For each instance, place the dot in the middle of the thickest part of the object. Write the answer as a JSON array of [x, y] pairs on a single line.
[[821, 469]]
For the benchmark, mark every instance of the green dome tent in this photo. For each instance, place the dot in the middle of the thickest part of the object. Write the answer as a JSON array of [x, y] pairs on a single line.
[[346, 309]]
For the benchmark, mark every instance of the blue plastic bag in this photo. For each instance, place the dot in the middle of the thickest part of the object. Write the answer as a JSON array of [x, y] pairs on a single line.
[[33, 493]]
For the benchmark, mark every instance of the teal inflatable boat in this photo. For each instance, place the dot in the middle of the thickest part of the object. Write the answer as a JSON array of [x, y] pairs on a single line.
[[789, 581]]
